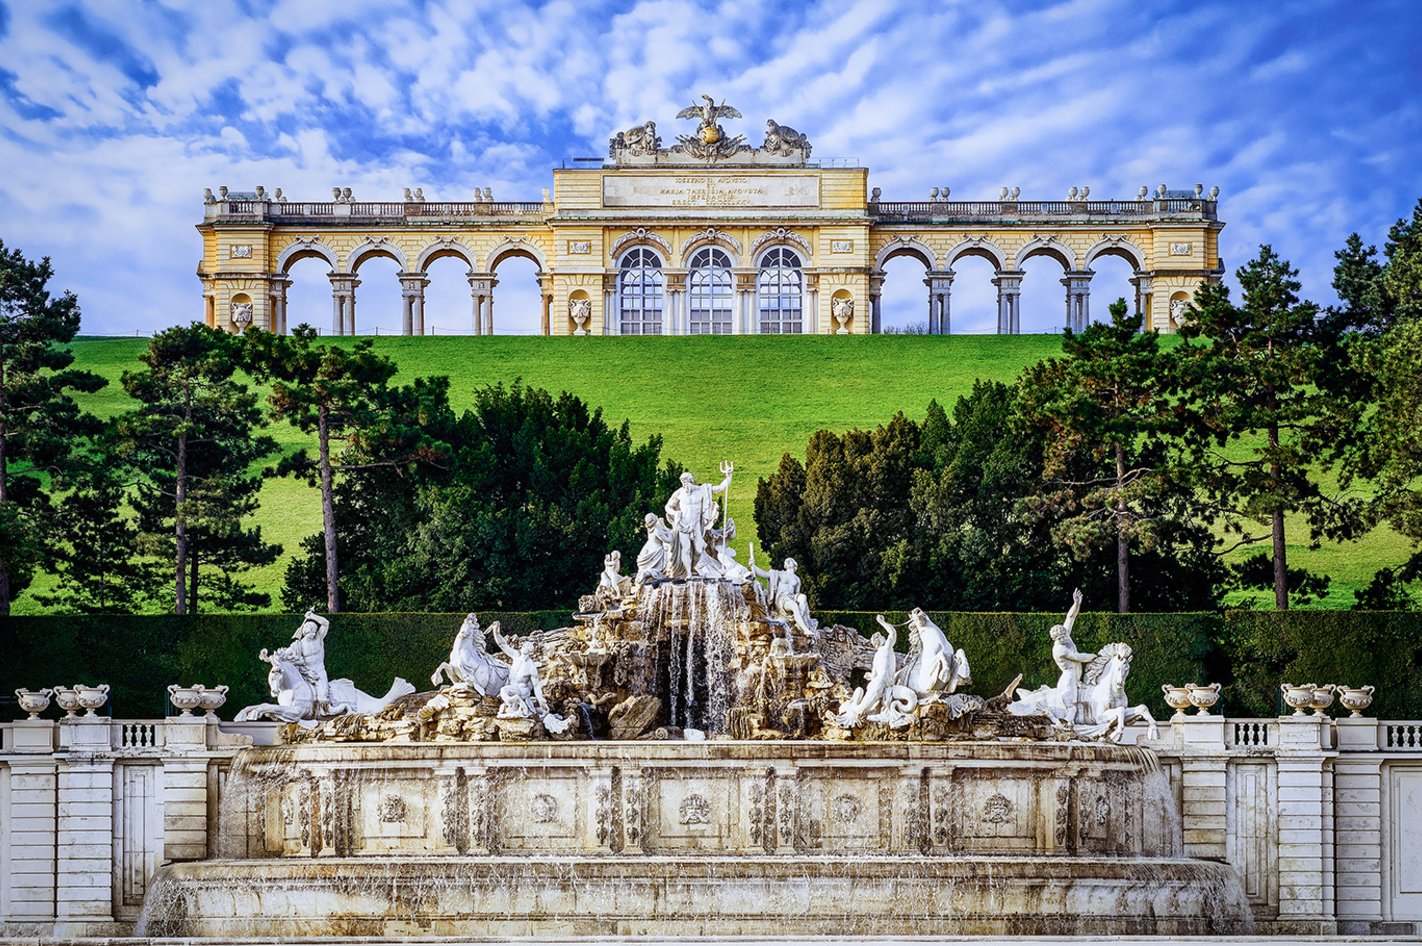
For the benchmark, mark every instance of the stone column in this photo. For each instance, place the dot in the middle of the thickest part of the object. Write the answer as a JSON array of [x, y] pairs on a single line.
[[1357, 785], [611, 324], [1143, 284], [412, 294], [84, 880], [547, 314], [1203, 763], [1078, 298], [34, 805], [810, 318], [676, 293], [940, 289], [343, 287], [1302, 828], [277, 294], [747, 320], [1009, 301]]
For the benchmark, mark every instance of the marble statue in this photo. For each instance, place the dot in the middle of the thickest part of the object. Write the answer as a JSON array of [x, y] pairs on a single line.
[[881, 677], [612, 584], [580, 310], [1093, 704], [640, 139], [522, 696], [710, 141], [241, 314], [470, 662], [933, 667], [785, 595], [691, 512], [297, 680], [843, 310], [731, 570], [784, 140], [652, 560]]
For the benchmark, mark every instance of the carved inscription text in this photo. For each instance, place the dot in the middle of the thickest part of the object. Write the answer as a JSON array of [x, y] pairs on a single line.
[[710, 190]]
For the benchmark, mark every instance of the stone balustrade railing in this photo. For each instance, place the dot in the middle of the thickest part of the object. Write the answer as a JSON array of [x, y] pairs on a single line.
[[968, 211], [377, 211]]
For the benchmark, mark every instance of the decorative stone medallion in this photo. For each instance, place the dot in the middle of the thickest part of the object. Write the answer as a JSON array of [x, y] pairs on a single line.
[[997, 809], [1181, 249], [841, 246], [544, 809], [846, 809], [242, 251], [392, 809], [695, 809]]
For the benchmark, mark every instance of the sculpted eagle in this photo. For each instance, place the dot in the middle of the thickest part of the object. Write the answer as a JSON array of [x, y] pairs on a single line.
[[708, 115]]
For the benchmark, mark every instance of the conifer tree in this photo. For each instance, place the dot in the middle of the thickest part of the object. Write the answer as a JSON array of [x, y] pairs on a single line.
[[93, 550], [40, 424]]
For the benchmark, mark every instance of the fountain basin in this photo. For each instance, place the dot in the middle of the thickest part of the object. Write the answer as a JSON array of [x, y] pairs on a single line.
[[695, 896]]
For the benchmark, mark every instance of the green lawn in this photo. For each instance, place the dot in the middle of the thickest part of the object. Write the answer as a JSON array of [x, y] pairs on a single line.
[[749, 400]]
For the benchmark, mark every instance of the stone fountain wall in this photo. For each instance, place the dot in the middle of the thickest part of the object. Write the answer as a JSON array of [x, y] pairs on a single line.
[[1317, 817]]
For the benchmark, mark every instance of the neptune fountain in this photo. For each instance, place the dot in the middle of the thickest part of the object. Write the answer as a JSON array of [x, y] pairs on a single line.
[[697, 756]]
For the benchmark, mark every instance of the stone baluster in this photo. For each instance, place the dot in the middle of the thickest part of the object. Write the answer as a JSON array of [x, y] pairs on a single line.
[[1009, 301]]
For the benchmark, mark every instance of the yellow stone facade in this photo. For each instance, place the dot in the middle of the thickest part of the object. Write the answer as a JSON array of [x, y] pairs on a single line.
[[837, 232]]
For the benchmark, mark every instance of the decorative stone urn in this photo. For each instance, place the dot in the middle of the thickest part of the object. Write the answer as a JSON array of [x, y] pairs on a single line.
[[91, 698], [186, 699], [67, 700], [1203, 697], [35, 702], [1355, 699], [1323, 698], [213, 698], [1177, 698], [1299, 697]]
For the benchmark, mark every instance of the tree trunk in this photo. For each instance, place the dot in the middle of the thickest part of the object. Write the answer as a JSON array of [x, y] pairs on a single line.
[[192, 582], [180, 528], [4, 589], [4, 490], [1123, 565], [328, 512], [1281, 554]]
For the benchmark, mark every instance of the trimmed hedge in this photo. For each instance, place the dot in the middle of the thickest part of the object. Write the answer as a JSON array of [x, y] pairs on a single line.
[[1251, 652]]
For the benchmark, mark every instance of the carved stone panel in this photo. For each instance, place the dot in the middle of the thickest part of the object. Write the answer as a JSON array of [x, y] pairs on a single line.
[[695, 813], [389, 810], [542, 813], [840, 810], [994, 815]]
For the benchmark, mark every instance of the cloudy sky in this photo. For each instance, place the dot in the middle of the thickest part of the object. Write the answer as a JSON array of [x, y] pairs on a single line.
[[115, 114]]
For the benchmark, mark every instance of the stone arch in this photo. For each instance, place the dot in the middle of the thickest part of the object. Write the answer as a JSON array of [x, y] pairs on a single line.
[[981, 247], [310, 248], [906, 246], [1117, 246], [517, 246], [442, 247], [640, 237], [376, 246], [781, 236], [712, 237], [1047, 246]]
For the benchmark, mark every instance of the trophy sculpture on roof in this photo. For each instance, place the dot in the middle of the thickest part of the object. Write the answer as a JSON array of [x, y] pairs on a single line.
[[710, 141]]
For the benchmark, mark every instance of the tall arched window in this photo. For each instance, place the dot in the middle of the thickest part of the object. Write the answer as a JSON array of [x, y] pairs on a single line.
[[639, 291], [780, 291], [710, 291]]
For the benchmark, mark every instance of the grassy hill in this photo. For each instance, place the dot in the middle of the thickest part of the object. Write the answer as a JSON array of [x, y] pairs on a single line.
[[749, 400]]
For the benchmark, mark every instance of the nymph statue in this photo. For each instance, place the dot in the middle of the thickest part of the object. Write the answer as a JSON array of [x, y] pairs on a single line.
[[652, 560], [785, 595]]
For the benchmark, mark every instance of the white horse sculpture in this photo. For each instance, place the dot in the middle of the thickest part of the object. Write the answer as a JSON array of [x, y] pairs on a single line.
[[932, 671], [470, 661], [1105, 709], [296, 703]]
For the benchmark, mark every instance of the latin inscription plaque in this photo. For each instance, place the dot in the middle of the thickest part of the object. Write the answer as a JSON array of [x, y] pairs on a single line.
[[710, 190]]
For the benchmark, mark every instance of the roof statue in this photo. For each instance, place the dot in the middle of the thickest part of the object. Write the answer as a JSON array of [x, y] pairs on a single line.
[[709, 143]]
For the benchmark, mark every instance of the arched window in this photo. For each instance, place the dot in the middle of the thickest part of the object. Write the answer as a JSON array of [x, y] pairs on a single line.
[[639, 291], [780, 290], [710, 291]]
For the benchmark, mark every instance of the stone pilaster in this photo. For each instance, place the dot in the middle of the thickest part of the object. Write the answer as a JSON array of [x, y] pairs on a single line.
[[1204, 803], [940, 289], [1303, 828], [33, 828], [343, 287], [412, 295], [1358, 826], [185, 789], [84, 869], [1078, 298]]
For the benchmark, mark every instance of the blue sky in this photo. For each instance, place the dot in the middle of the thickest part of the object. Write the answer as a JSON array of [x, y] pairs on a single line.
[[115, 115]]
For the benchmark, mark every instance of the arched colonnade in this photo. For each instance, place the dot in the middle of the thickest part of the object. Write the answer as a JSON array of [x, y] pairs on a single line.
[[1008, 276], [413, 275]]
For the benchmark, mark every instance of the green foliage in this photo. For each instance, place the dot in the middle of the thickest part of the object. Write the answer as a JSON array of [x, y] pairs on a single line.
[[191, 445], [1256, 372], [40, 423], [1345, 647], [93, 551], [1400, 286], [536, 490]]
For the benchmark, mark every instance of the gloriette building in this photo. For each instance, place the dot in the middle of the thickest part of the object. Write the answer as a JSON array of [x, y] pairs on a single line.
[[710, 235]]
